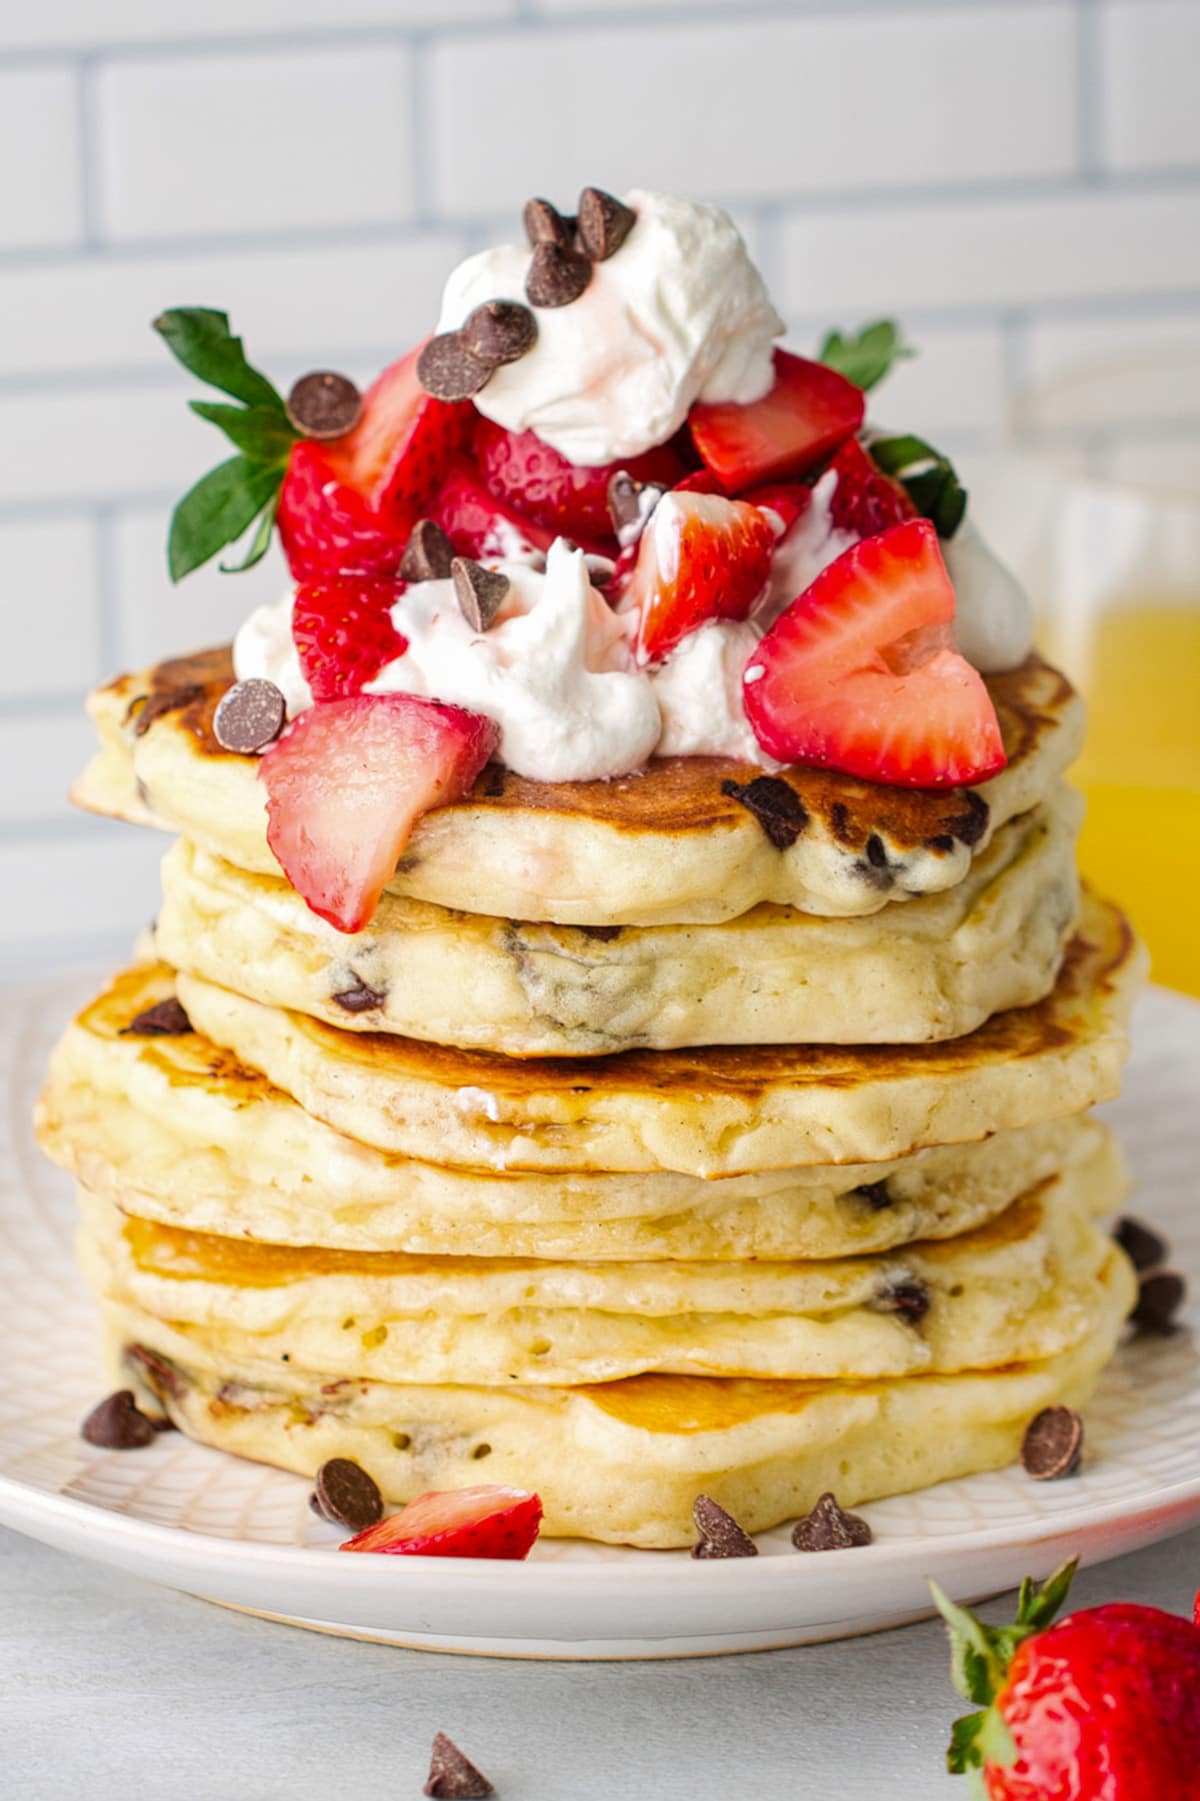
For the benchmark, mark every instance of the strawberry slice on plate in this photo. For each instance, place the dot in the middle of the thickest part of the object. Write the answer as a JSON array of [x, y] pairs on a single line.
[[458, 1522], [346, 784], [567, 498], [482, 527], [807, 413], [861, 674], [865, 500], [701, 557], [343, 632]]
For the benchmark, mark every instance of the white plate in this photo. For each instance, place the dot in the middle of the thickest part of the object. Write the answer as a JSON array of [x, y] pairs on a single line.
[[243, 1535]]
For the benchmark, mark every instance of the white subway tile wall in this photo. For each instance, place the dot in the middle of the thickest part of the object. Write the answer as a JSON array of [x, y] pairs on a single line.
[[1020, 179]]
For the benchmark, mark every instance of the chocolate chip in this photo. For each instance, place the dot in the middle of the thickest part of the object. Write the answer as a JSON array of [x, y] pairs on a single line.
[[600, 569], [839, 821], [1159, 1299], [876, 1195], [1143, 1247], [604, 934], [777, 807], [153, 707], [161, 1376], [1053, 1444], [249, 716], [970, 826], [165, 1019], [453, 1776], [499, 331], [479, 592], [720, 1534], [359, 998], [911, 1300], [447, 370], [556, 277], [827, 1528], [544, 224], [324, 405], [493, 782], [604, 223], [118, 1425], [877, 855], [427, 555], [626, 507], [942, 841], [346, 1496]]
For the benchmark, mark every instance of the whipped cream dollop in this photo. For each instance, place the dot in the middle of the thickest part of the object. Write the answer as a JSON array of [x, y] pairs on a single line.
[[678, 314], [993, 618], [264, 647]]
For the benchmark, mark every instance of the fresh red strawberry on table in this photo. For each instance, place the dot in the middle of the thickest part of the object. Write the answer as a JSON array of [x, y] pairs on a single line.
[[458, 1522], [343, 632], [864, 499], [861, 674], [567, 498], [1103, 1706], [480, 526], [809, 411], [701, 557], [346, 784]]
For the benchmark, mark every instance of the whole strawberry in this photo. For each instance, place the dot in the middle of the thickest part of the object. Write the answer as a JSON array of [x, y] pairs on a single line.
[[1103, 1706]]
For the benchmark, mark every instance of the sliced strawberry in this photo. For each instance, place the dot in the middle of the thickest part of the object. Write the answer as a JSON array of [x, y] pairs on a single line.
[[458, 1522], [343, 632], [568, 499], [787, 500], [327, 528], [479, 525], [861, 673], [347, 782], [809, 412], [864, 499], [701, 557]]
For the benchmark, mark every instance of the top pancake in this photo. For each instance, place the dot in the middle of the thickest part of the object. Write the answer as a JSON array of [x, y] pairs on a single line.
[[668, 845]]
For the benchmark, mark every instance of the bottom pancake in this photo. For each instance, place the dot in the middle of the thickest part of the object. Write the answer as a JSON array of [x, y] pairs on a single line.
[[622, 1462]]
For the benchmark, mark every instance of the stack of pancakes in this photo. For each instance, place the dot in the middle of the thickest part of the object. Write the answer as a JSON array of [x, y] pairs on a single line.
[[698, 1131]]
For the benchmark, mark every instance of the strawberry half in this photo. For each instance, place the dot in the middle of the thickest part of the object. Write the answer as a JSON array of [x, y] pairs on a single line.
[[343, 632], [568, 499], [861, 674], [701, 557], [346, 784], [810, 411], [458, 1522], [480, 526], [865, 500]]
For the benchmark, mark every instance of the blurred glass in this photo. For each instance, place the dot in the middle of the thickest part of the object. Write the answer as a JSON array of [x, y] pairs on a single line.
[[1097, 506]]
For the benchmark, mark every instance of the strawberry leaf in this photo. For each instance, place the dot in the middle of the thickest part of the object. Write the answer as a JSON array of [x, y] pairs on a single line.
[[963, 1753], [928, 477], [218, 510], [259, 432], [865, 358], [199, 337], [259, 544]]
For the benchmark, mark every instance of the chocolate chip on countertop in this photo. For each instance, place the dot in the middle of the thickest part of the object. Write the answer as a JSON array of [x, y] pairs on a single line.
[[427, 555], [1053, 1444], [875, 1194], [604, 223], [911, 1300], [556, 277], [499, 331], [1143, 1247], [828, 1528], [324, 404], [544, 224], [447, 370], [479, 592], [249, 716], [776, 806], [346, 1496], [117, 1424], [452, 1776], [359, 997], [1160, 1297], [720, 1534], [166, 1019]]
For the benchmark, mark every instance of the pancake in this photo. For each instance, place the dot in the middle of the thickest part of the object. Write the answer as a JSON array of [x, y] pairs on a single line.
[[670, 845], [621, 1461], [1017, 1289], [704, 1113], [934, 969], [175, 1130]]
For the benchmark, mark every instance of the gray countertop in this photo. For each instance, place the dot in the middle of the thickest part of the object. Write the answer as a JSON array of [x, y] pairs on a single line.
[[124, 1692]]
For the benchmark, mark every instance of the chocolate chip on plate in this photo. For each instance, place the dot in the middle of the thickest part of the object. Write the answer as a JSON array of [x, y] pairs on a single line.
[[249, 716], [1053, 1444], [324, 404], [604, 223], [452, 1776], [479, 592], [556, 277], [345, 1495], [165, 1019], [776, 806], [427, 555], [720, 1534], [1143, 1247], [447, 370], [828, 1528], [499, 331], [544, 224], [1160, 1297], [358, 996], [117, 1424]]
